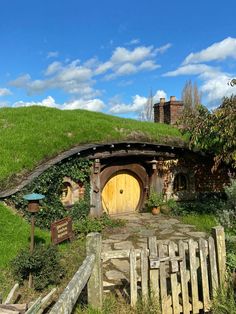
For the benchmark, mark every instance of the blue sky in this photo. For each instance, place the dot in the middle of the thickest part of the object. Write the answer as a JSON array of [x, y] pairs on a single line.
[[108, 55]]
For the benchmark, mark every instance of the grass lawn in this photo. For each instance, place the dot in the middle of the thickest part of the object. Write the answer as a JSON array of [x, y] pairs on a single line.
[[203, 222], [15, 233], [31, 134]]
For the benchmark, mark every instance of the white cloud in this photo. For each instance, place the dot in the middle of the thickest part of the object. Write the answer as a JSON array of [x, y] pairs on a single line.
[[218, 51], [191, 69], [163, 48], [136, 106], [216, 86], [159, 94], [91, 105], [148, 65], [122, 55], [53, 68], [138, 103], [52, 54], [134, 41], [4, 92], [47, 102]]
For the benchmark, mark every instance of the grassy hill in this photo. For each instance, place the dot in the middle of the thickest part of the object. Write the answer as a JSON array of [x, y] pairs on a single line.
[[28, 135]]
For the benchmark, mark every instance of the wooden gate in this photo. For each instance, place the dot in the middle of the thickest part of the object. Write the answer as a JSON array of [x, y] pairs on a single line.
[[183, 277], [121, 194]]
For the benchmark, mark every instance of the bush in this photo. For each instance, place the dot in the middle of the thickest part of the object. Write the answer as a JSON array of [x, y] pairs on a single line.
[[88, 224], [43, 264]]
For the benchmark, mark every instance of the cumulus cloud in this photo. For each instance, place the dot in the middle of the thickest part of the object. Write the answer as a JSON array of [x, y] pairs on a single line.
[[92, 104], [134, 41], [79, 78], [163, 48], [190, 69], [216, 86], [214, 80], [47, 102], [218, 51], [137, 105], [4, 92]]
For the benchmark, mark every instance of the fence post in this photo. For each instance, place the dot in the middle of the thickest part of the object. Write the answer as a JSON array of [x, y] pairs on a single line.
[[219, 237], [95, 283]]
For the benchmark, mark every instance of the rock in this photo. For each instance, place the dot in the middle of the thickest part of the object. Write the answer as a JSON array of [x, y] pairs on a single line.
[[115, 275], [167, 231], [197, 234], [147, 232], [125, 245], [106, 247], [109, 241], [121, 265], [120, 237]]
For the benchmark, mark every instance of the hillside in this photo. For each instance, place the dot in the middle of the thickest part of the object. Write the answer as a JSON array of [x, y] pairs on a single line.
[[30, 135]]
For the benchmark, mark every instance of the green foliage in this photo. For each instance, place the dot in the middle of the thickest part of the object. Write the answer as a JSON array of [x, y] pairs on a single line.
[[27, 139], [224, 301], [43, 264], [88, 224], [214, 131], [205, 205], [154, 200], [49, 183], [115, 305]]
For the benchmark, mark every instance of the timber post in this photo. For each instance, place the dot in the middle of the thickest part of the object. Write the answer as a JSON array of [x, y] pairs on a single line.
[[219, 237], [95, 283], [95, 210]]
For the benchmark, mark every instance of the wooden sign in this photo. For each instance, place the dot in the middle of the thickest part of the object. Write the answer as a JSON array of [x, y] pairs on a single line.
[[61, 230]]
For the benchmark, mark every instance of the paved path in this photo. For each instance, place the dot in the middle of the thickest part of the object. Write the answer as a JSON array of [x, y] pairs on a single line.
[[134, 235]]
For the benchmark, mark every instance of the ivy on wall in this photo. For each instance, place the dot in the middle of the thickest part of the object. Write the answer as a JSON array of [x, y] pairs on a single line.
[[50, 184]]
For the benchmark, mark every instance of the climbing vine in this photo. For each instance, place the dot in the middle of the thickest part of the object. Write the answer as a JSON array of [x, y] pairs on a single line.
[[50, 183]]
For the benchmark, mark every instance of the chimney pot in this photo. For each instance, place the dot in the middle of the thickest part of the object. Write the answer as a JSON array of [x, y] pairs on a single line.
[[172, 98]]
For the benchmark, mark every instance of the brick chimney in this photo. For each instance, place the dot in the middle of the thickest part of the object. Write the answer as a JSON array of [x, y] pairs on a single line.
[[168, 112]]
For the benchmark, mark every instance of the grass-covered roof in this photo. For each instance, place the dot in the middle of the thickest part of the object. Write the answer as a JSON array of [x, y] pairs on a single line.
[[30, 135]]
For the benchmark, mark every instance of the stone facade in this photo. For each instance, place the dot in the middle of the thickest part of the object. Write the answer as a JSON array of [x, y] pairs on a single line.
[[168, 112]]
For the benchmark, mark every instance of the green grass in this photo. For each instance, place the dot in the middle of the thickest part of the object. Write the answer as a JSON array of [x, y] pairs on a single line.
[[30, 135], [203, 222], [15, 233]]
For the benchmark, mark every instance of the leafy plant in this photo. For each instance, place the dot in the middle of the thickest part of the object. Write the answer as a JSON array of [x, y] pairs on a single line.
[[43, 264], [224, 301], [88, 224], [154, 199], [49, 183]]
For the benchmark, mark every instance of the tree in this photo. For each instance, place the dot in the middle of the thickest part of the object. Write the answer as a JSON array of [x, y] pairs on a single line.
[[191, 96], [214, 131], [148, 112]]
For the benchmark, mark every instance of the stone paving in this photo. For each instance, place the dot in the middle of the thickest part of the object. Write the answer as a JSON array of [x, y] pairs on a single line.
[[134, 234]]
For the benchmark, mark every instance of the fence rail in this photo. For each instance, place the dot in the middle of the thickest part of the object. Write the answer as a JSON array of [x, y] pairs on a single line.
[[183, 277]]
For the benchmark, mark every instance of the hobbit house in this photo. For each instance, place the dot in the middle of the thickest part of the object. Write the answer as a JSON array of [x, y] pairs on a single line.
[[122, 174]]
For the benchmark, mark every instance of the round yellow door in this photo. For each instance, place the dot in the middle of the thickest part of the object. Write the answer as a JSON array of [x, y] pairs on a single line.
[[121, 194]]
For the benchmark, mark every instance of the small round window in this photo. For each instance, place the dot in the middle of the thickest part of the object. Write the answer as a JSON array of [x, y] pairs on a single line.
[[66, 193], [180, 182]]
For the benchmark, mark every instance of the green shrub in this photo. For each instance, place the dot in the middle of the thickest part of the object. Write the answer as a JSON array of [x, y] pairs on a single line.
[[224, 301], [49, 183], [43, 264], [88, 224]]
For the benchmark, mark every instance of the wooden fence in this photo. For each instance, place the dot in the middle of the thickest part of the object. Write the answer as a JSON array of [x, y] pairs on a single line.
[[182, 277]]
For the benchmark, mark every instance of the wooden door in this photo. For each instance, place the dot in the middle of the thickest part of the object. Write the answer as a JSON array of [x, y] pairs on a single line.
[[121, 194]]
